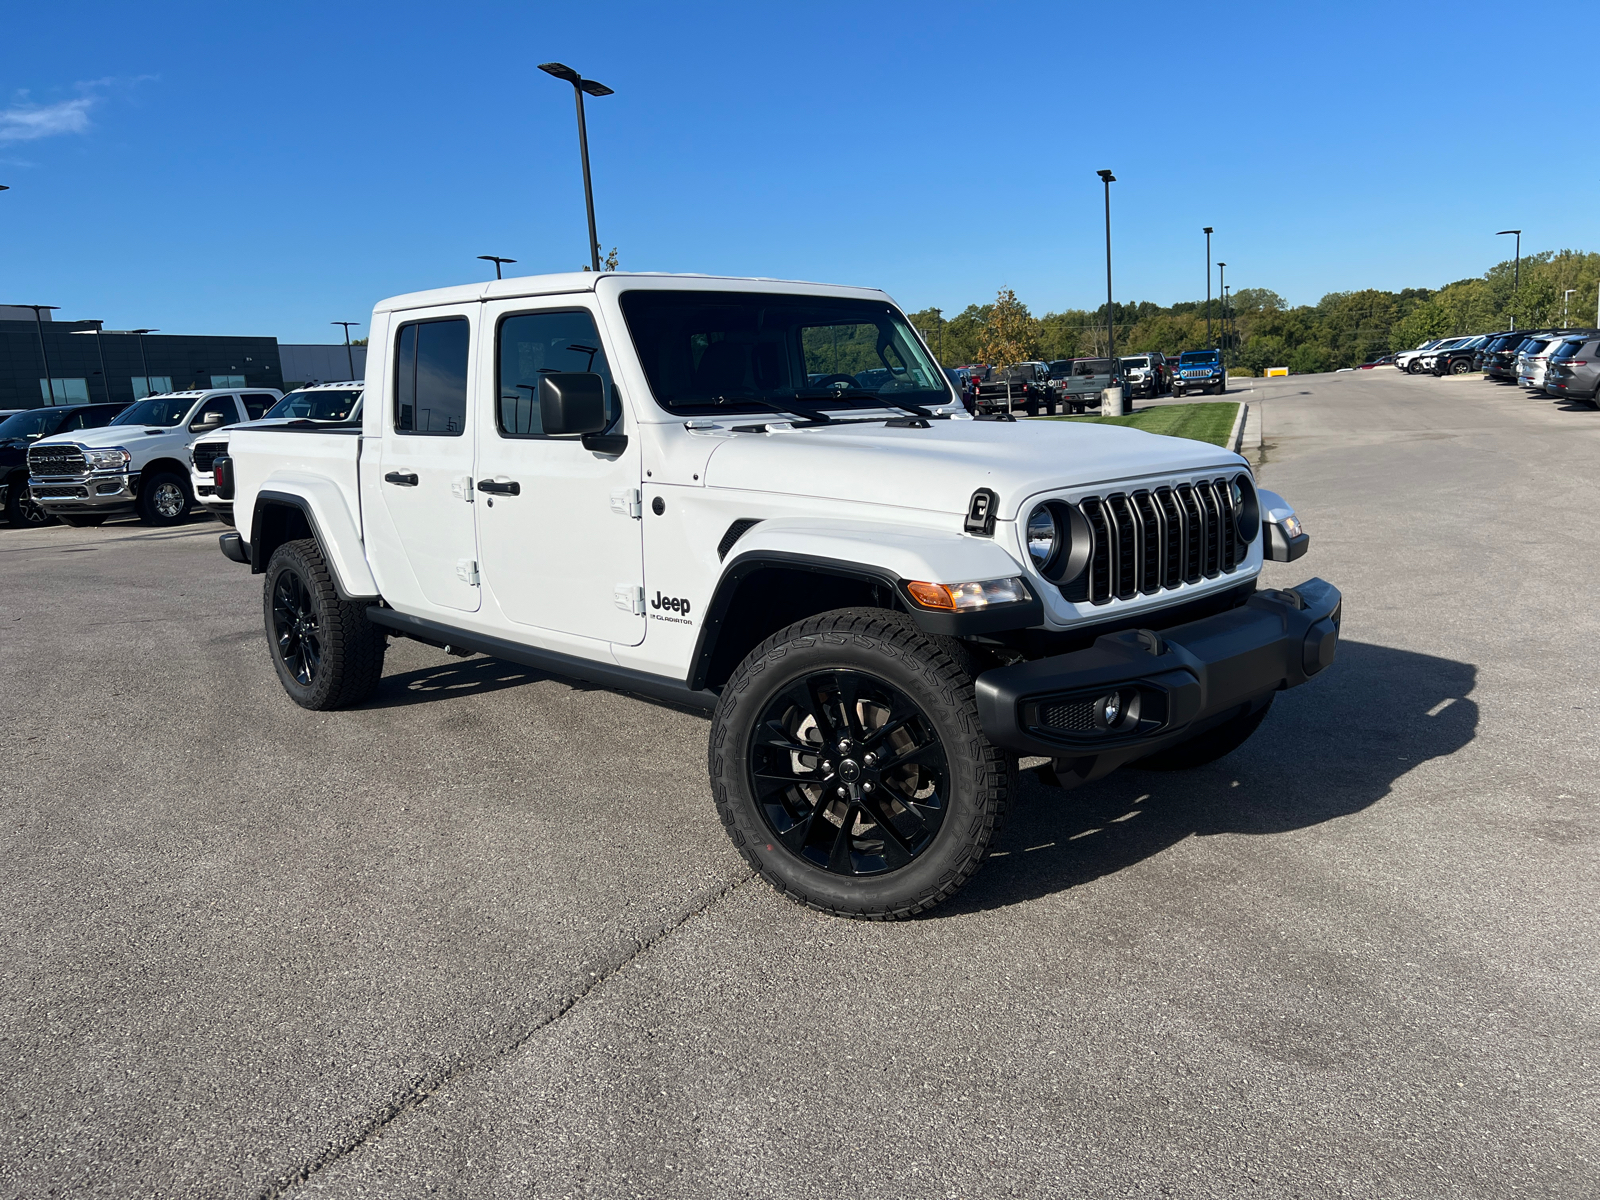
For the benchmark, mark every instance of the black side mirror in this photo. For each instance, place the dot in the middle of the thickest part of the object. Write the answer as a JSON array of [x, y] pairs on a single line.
[[572, 402]]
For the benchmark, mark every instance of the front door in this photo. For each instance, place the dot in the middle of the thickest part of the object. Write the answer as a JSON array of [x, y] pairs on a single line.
[[425, 467], [565, 552]]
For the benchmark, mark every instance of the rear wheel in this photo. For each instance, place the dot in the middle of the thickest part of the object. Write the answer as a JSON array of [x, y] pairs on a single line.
[[849, 767], [327, 654], [82, 522], [164, 499]]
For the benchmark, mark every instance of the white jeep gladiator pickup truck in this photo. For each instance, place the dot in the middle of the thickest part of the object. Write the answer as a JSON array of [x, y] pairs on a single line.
[[680, 487]]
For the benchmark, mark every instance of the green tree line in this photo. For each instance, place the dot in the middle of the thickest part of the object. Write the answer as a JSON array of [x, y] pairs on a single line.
[[1340, 330]]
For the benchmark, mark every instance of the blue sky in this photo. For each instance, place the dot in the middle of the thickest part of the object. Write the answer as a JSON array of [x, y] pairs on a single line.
[[235, 169]]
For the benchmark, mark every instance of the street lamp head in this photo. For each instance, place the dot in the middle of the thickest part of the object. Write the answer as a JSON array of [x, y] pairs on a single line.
[[5, 187], [1207, 229], [1220, 263], [562, 71], [1503, 232], [144, 331], [1106, 176], [596, 89]]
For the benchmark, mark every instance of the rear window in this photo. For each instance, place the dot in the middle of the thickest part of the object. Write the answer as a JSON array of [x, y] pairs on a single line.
[[1092, 366], [430, 395], [1567, 349]]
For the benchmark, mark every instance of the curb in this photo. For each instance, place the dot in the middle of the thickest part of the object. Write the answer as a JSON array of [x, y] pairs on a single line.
[[1236, 435]]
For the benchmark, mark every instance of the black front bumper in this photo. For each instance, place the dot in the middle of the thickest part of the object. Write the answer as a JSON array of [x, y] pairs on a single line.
[[1168, 686]]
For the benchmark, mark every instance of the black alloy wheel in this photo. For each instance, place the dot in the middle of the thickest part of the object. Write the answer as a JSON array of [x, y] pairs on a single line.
[[849, 773], [22, 510], [1460, 367], [294, 626]]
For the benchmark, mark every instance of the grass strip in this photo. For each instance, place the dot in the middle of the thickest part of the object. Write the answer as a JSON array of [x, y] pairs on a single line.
[[1202, 422]]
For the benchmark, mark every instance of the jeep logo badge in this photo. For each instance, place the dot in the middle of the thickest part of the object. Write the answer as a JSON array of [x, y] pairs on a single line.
[[980, 513]]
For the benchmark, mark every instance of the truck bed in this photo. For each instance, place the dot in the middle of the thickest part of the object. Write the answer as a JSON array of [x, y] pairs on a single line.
[[323, 457]]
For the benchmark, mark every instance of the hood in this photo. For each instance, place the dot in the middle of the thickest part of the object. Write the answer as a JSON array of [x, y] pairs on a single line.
[[113, 435], [937, 469]]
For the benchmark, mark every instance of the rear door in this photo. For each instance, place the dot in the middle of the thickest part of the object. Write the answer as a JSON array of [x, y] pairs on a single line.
[[426, 453], [560, 529]]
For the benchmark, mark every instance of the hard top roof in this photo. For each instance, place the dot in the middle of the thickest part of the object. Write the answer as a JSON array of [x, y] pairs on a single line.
[[588, 281]]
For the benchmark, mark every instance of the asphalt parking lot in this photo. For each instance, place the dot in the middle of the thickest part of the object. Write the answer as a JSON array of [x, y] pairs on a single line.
[[485, 936]]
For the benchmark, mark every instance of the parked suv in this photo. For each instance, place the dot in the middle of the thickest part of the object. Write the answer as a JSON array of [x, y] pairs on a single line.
[[880, 601], [1501, 361], [1410, 360], [138, 462], [1146, 374], [1455, 359], [21, 430], [320, 404], [1573, 370], [1200, 370]]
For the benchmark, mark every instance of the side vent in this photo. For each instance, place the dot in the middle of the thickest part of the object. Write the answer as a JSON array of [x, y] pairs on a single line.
[[735, 531]]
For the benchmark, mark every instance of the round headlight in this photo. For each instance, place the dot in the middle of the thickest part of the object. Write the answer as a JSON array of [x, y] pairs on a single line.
[[1043, 537], [1246, 508]]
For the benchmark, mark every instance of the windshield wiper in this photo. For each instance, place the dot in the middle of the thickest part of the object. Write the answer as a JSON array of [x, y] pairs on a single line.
[[915, 410], [811, 416]]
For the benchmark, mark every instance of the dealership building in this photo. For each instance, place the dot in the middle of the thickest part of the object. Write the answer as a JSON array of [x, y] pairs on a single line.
[[87, 363]]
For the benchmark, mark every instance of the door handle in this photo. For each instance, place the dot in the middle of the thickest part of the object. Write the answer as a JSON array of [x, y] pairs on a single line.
[[403, 478], [500, 489]]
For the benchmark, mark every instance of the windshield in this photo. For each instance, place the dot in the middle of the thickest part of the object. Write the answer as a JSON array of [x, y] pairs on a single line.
[[1191, 358], [1092, 366], [1061, 368], [30, 424], [1136, 363], [708, 350], [327, 405], [165, 411]]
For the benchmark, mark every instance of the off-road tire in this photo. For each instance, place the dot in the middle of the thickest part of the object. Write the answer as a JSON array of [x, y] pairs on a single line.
[[936, 675], [82, 522], [21, 511], [351, 647], [155, 494], [1206, 747]]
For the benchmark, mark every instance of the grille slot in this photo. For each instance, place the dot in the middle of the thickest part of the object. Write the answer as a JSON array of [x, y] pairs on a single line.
[[57, 460], [206, 455], [1148, 541], [1074, 717]]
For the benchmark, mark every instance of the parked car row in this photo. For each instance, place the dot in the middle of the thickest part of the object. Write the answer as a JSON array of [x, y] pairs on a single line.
[[1076, 384], [83, 463], [1557, 362]]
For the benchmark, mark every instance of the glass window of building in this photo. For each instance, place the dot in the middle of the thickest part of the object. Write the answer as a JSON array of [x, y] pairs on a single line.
[[227, 381], [65, 391], [152, 385]]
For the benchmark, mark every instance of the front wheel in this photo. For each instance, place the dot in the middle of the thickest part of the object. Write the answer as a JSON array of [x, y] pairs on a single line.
[[327, 654], [1460, 367], [849, 768], [21, 509], [1414, 367], [164, 499]]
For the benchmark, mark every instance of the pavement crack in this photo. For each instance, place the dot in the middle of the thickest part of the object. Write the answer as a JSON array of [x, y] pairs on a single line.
[[589, 978]]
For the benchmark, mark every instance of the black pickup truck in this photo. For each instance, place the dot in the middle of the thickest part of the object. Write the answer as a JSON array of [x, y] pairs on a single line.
[[1024, 387]]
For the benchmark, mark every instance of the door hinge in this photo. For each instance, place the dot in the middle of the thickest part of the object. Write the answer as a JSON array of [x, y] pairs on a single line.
[[461, 489], [467, 571], [627, 502], [630, 598]]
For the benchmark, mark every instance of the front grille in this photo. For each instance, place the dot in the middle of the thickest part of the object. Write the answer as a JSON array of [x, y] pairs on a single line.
[[1077, 716], [206, 454], [1149, 540], [58, 492], [57, 460]]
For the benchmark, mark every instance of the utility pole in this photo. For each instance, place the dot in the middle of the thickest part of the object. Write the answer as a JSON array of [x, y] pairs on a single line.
[[49, 383], [1516, 276], [1566, 299], [1209, 343], [144, 363], [580, 85], [1222, 286], [349, 354]]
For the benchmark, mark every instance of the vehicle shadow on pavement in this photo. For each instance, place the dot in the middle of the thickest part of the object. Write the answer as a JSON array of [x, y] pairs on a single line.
[[1330, 749], [458, 677]]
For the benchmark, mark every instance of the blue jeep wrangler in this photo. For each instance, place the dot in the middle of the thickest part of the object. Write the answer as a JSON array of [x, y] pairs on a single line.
[[1200, 370]]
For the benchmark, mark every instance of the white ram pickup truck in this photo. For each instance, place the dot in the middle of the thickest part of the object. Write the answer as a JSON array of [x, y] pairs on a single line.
[[139, 462], [680, 487]]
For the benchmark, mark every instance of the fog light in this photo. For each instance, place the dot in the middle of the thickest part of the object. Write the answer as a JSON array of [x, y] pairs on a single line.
[[1117, 712], [1111, 709]]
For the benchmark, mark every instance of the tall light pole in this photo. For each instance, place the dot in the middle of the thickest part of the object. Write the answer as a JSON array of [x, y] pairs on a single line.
[[100, 347], [1516, 276], [496, 260], [1222, 287], [1566, 298], [580, 85], [144, 363], [1107, 178], [49, 383], [349, 354], [1208, 286]]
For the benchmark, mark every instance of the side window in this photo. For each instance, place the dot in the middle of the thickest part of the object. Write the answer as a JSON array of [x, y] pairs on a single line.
[[222, 406], [78, 420], [257, 403], [430, 378], [535, 344]]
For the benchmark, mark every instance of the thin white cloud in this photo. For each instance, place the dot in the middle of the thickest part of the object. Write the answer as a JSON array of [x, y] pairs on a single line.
[[29, 122]]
